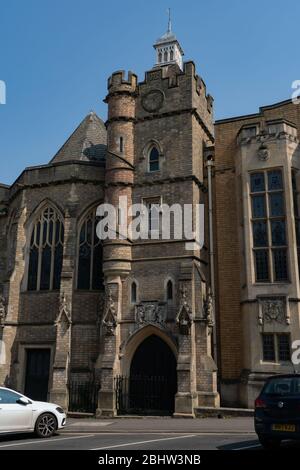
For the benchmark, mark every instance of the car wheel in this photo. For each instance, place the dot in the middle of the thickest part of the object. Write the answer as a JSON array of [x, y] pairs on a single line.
[[45, 425], [269, 442]]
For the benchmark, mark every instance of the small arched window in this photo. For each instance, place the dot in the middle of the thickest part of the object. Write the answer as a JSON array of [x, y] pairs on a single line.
[[159, 57], [46, 251], [154, 159], [133, 292], [171, 55], [121, 144], [170, 290], [166, 56], [90, 274]]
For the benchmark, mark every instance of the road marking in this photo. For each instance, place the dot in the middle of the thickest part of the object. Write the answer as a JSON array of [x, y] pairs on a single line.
[[144, 442], [248, 447], [50, 439]]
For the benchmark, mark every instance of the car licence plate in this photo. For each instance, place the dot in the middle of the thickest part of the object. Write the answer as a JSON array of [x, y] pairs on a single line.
[[284, 427]]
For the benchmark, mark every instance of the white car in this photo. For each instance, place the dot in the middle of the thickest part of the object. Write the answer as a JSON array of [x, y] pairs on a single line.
[[20, 414]]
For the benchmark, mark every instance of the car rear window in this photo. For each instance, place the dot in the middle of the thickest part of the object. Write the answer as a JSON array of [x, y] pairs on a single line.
[[282, 386]]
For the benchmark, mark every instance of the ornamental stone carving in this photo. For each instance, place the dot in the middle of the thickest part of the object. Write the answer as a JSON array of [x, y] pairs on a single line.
[[110, 313], [208, 309], [150, 312], [2, 311], [184, 316], [263, 153], [273, 310], [64, 314]]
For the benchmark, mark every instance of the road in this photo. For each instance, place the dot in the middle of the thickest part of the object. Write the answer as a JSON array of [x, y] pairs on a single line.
[[145, 434]]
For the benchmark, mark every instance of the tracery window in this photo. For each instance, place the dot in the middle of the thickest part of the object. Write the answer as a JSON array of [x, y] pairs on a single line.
[[90, 275], [46, 251]]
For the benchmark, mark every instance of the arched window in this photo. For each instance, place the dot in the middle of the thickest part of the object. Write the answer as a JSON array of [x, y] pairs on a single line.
[[121, 144], [170, 290], [171, 55], [133, 292], [46, 251], [165, 56], [90, 275], [154, 159], [159, 57]]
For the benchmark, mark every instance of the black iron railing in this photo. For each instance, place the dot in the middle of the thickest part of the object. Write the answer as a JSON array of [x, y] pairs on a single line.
[[143, 395], [83, 396]]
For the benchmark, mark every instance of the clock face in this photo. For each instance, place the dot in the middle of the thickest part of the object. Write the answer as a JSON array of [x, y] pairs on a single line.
[[153, 101]]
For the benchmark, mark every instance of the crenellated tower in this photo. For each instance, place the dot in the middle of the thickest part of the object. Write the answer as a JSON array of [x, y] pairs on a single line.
[[117, 251]]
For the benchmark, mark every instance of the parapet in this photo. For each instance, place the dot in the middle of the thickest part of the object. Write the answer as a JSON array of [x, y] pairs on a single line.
[[118, 82]]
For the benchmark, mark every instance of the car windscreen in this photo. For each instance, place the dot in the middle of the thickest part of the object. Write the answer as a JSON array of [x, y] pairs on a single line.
[[282, 386]]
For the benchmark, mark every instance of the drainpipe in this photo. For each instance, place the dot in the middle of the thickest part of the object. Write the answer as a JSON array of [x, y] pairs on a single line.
[[210, 165]]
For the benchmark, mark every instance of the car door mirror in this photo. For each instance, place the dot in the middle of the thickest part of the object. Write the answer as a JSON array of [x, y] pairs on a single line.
[[23, 401]]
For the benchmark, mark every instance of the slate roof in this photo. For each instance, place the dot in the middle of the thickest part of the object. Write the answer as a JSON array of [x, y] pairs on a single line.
[[87, 143]]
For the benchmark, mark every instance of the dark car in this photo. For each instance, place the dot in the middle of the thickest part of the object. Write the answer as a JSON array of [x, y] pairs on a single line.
[[277, 410]]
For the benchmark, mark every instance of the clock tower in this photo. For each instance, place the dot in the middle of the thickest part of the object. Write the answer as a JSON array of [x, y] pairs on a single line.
[[157, 290]]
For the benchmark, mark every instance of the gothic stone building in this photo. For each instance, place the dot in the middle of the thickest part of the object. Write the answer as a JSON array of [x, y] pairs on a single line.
[[147, 325]]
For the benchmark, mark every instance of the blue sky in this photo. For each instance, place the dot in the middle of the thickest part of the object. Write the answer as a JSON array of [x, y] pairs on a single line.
[[55, 57]]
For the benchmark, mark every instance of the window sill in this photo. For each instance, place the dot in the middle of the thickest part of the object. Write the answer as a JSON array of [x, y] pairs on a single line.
[[275, 283]]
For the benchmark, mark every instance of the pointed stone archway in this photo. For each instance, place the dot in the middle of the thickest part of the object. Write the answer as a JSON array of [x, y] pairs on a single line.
[[150, 373]]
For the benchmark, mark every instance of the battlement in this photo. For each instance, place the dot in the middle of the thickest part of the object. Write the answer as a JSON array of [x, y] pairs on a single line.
[[262, 132], [119, 82], [173, 77]]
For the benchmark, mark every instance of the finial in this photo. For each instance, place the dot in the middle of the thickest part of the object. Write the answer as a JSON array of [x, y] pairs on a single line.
[[169, 21]]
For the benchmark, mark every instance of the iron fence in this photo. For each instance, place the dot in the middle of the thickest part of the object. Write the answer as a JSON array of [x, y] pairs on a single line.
[[83, 396], [143, 395]]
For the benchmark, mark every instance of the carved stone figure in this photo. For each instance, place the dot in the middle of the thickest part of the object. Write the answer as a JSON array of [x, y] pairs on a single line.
[[64, 314], [110, 315], [2, 311], [208, 308], [184, 316]]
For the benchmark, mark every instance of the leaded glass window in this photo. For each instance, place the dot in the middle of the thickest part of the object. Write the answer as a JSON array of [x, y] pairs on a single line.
[[276, 347], [46, 251], [296, 214], [90, 275], [268, 347], [154, 159], [269, 226], [284, 349]]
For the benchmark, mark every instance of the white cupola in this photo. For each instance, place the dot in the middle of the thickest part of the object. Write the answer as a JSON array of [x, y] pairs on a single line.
[[168, 49]]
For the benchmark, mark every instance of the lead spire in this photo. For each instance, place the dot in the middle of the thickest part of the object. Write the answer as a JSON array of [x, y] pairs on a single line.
[[169, 20]]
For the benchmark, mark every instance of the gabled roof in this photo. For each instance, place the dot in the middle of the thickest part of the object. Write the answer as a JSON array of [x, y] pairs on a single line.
[[88, 142]]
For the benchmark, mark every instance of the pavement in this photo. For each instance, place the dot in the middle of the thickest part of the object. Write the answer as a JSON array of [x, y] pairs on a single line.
[[145, 434]]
